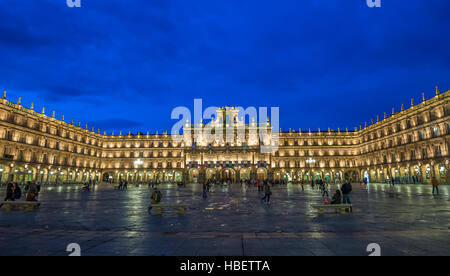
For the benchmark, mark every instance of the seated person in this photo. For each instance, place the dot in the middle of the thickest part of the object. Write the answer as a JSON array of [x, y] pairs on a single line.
[[86, 187], [337, 197], [32, 192]]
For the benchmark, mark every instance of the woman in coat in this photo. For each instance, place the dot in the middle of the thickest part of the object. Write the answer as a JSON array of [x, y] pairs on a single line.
[[17, 192], [9, 192], [337, 198]]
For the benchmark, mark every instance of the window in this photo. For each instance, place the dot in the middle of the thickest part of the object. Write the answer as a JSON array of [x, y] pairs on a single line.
[[435, 132], [424, 154], [437, 151]]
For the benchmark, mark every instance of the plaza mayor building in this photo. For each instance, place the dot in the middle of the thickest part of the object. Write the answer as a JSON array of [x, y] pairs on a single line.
[[410, 145]]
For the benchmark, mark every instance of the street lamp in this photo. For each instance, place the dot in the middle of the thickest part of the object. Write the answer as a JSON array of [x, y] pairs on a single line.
[[310, 161], [138, 162]]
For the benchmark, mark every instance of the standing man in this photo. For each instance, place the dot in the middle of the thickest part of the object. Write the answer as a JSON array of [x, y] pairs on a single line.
[[204, 190], [267, 193], [435, 184], [346, 191]]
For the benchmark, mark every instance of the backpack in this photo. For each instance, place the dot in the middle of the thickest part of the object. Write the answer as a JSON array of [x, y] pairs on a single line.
[[158, 196]]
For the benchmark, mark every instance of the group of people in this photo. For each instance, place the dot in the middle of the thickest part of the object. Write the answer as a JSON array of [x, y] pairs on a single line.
[[87, 185], [123, 185], [341, 196], [14, 191]]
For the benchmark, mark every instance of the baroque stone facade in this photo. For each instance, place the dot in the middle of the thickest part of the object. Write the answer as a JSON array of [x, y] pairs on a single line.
[[409, 146]]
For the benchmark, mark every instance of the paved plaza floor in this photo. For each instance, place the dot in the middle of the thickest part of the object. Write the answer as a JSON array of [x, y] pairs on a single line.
[[230, 222]]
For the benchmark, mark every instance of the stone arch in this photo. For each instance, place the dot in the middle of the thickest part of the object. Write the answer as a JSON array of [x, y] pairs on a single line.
[[178, 176], [108, 176], [244, 174], [194, 175], [261, 173], [210, 174], [228, 174]]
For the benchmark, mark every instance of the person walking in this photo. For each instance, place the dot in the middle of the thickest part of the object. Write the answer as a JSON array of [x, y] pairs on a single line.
[[324, 189], [435, 184], [155, 198], [346, 191], [303, 183], [267, 193]]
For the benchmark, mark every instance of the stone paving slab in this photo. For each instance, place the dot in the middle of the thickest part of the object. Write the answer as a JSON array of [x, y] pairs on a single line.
[[230, 222]]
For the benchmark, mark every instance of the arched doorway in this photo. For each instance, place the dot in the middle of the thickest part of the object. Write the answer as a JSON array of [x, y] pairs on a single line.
[[245, 174], [352, 176], [178, 176], [287, 177], [443, 174], [428, 173], [193, 175], [159, 177], [299, 176], [31, 172], [261, 174], [327, 177], [228, 174], [108, 177], [2, 173], [169, 177], [210, 174]]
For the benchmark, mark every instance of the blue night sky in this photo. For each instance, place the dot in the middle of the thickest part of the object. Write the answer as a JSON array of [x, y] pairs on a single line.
[[124, 65]]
